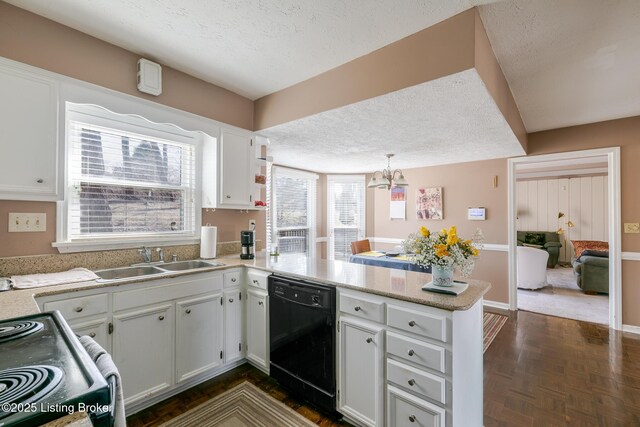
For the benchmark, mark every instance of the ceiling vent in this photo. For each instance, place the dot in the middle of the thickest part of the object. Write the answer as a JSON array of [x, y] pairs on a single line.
[[149, 77]]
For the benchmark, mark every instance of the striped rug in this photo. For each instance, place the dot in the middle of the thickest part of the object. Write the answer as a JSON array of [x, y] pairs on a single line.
[[243, 406], [492, 325]]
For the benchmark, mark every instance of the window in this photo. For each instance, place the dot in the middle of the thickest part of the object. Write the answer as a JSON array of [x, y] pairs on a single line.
[[293, 209], [127, 179], [346, 213]]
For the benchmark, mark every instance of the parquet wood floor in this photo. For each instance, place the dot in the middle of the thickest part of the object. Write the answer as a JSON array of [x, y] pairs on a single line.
[[539, 371]]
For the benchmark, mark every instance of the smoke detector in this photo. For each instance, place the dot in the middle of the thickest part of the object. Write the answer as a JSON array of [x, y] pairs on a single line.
[[149, 77]]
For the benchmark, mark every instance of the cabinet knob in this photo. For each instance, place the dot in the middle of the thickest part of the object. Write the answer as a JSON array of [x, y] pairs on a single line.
[[39, 180], [230, 299], [78, 309], [412, 382], [188, 311], [260, 303], [411, 352], [233, 280], [255, 281], [369, 340], [228, 196], [161, 317], [92, 334], [357, 308], [412, 323], [412, 418]]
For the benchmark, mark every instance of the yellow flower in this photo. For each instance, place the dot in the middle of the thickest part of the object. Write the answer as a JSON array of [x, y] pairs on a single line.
[[475, 252], [443, 231], [452, 239], [453, 230], [441, 251], [424, 231]]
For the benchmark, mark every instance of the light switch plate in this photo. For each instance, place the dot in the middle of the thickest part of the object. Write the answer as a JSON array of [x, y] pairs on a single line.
[[27, 222], [631, 227]]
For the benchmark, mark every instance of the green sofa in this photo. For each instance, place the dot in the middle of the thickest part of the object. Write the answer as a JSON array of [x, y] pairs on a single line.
[[592, 273], [550, 243]]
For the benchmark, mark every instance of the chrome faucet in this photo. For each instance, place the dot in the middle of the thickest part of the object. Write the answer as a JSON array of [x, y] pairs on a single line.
[[160, 252], [145, 252]]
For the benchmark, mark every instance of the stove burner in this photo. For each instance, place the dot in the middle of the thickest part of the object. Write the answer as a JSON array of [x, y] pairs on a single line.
[[27, 384], [12, 330]]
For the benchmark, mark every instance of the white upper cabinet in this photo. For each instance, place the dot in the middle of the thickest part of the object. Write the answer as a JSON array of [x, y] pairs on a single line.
[[233, 184], [28, 135]]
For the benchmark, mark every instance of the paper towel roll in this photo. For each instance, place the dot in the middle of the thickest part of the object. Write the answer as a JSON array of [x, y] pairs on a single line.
[[208, 238]]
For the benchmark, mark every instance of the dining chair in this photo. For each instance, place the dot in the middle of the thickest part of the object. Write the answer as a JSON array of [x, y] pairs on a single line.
[[360, 246]]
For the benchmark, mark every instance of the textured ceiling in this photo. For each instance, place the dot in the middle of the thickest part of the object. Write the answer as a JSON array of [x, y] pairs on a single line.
[[450, 120], [252, 47], [568, 62]]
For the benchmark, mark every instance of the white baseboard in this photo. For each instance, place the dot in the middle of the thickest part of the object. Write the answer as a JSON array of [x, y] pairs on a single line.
[[496, 304], [631, 328], [631, 256]]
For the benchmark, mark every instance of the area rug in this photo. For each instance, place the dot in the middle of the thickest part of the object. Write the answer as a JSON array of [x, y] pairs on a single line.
[[243, 406], [492, 323]]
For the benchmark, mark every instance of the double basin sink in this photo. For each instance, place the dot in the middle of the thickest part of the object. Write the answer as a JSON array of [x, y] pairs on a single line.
[[135, 271]]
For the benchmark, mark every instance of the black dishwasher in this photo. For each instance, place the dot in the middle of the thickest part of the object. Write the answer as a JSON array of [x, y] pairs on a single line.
[[302, 338]]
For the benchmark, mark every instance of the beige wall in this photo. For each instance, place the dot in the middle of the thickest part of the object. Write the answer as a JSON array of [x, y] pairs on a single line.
[[623, 133], [464, 185], [19, 244], [37, 41]]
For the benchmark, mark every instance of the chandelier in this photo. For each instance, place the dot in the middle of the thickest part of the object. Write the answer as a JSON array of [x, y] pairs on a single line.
[[388, 178]]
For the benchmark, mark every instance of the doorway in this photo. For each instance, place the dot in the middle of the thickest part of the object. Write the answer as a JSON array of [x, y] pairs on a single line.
[[550, 202]]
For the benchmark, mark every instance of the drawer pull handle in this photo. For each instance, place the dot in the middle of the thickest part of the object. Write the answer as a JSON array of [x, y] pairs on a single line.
[[357, 308], [412, 418], [188, 311], [233, 280], [369, 340], [92, 334], [78, 309], [260, 303], [161, 317], [412, 382], [412, 323], [39, 180], [255, 281], [228, 196], [411, 352], [230, 299]]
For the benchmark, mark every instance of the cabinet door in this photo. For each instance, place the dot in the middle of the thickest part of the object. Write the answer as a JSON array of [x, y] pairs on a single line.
[[360, 371], [28, 135], [98, 329], [198, 335], [258, 329], [233, 325], [236, 169], [143, 348]]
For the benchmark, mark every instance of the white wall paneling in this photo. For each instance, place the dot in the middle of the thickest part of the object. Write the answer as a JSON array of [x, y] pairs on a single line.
[[583, 201]]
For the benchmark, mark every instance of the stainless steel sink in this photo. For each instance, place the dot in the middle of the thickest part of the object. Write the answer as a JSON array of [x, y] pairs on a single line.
[[127, 272], [188, 265]]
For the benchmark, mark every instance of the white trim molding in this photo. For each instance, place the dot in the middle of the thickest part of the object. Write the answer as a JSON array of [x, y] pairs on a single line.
[[631, 256], [631, 329], [615, 223], [496, 304], [497, 247]]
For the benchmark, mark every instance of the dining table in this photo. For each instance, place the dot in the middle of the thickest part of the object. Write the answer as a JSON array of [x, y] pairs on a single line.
[[388, 260]]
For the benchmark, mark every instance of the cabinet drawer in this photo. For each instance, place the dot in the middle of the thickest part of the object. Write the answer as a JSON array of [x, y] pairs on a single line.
[[231, 279], [361, 307], [258, 279], [79, 307], [424, 354], [417, 381], [404, 409], [430, 325], [96, 329]]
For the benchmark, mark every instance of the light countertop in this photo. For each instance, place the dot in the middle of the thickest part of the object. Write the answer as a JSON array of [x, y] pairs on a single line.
[[398, 284]]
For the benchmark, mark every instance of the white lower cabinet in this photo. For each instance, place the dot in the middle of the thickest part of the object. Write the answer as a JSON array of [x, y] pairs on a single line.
[[360, 371], [98, 329], [233, 315], [198, 335], [143, 347], [258, 328], [404, 409]]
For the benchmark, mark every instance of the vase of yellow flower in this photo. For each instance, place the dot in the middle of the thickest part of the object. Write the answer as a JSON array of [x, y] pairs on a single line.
[[444, 251]]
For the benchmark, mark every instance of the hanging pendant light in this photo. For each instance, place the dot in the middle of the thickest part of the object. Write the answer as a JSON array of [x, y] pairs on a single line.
[[388, 178]]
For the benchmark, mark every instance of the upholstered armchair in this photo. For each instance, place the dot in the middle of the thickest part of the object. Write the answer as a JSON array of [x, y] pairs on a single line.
[[546, 240]]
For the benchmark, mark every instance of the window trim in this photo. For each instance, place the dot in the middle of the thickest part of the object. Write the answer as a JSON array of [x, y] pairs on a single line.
[[300, 174], [100, 116], [360, 178]]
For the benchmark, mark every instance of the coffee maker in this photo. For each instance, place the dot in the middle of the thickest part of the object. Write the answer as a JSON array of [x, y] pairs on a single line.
[[247, 241]]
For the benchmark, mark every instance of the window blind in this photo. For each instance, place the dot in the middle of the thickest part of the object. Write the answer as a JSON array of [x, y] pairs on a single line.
[[293, 213], [346, 213], [127, 184]]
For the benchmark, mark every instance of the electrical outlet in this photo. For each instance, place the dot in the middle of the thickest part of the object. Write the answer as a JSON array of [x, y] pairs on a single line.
[[252, 224], [27, 222], [631, 227]]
